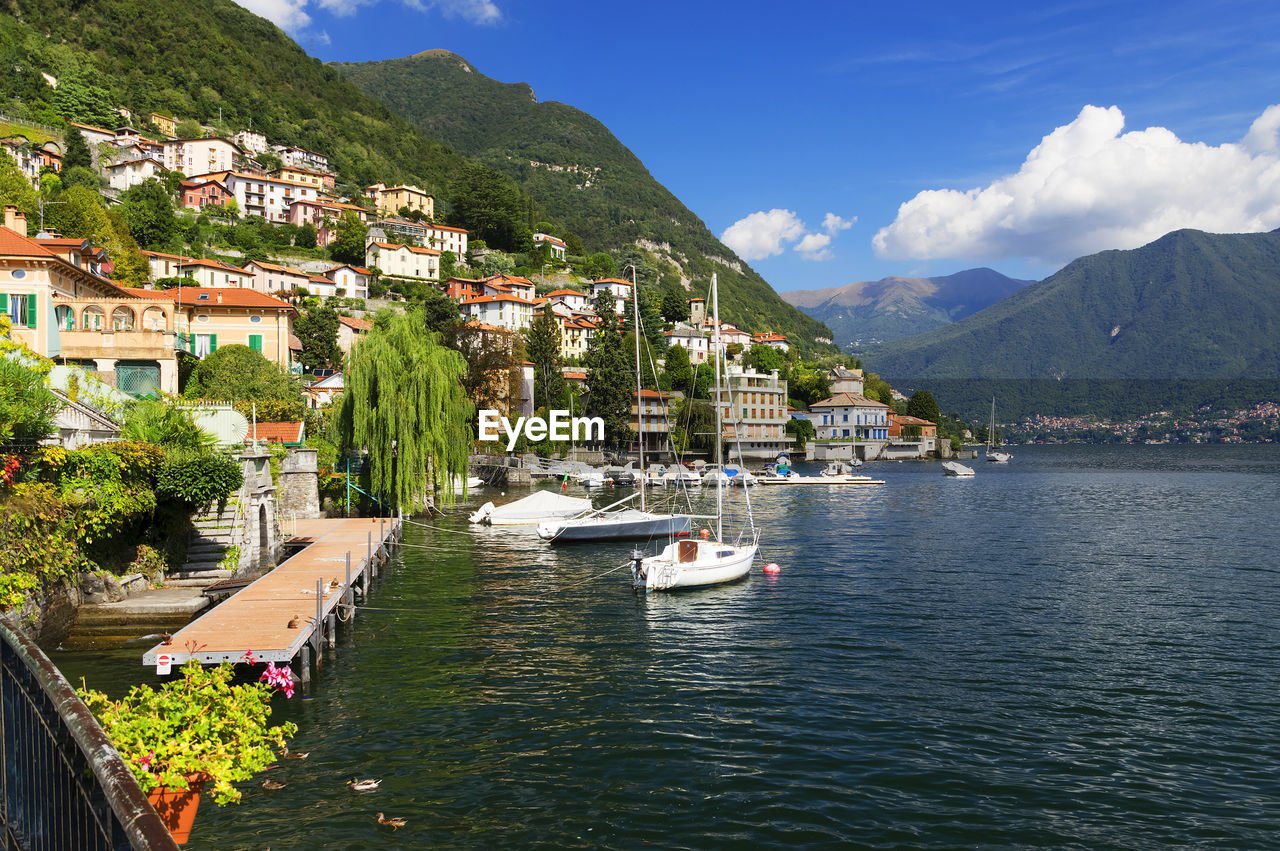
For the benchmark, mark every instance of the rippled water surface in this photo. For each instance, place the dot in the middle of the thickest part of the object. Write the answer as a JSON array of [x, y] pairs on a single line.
[[1081, 648]]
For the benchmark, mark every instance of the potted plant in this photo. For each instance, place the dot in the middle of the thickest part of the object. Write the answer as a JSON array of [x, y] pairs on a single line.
[[198, 729]]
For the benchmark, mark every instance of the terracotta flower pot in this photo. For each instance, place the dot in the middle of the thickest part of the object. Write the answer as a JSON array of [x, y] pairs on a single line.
[[177, 807]]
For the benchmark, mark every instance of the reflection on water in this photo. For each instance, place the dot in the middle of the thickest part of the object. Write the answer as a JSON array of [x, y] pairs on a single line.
[[1078, 648]]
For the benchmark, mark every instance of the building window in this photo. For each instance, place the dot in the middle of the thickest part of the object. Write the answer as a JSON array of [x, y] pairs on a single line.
[[255, 342], [205, 344], [21, 308]]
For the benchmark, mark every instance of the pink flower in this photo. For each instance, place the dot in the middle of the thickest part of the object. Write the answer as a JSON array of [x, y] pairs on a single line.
[[250, 658], [145, 762], [281, 678]]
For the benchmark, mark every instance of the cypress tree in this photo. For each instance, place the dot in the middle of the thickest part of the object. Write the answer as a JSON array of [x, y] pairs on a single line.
[[405, 405], [77, 151]]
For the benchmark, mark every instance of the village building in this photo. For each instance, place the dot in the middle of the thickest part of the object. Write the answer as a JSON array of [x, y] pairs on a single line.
[[251, 141], [401, 230], [351, 281], [350, 330], [398, 260], [845, 380], [201, 156], [910, 437], [298, 174], [60, 308], [322, 392], [163, 265], [444, 238], [508, 312], [294, 156], [651, 415], [771, 339], [128, 174], [509, 285], [697, 312], [695, 342], [554, 246], [621, 292], [848, 426], [257, 195], [209, 317], [214, 273], [274, 278], [753, 409], [572, 299], [459, 289], [166, 124], [392, 199], [321, 285], [200, 193]]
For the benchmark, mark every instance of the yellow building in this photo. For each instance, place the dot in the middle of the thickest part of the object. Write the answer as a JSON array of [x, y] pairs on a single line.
[[166, 124], [390, 199], [208, 317]]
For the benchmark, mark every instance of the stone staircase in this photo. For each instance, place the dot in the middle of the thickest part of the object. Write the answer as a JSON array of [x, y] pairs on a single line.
[[212, 535]]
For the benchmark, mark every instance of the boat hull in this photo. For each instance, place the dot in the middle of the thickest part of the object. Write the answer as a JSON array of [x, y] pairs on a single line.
[[714, 564], [609, 529]]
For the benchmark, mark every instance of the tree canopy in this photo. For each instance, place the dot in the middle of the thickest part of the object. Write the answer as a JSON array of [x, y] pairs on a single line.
[[405, 405], [923, 405], [148, 211], [238, 373], [349, 239], [317, 330], [610, 374]]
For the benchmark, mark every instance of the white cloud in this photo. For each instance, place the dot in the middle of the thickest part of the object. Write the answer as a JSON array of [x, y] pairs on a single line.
[[762, 234], [289, 15], [292, 16], [1088, 187], [765, 234]]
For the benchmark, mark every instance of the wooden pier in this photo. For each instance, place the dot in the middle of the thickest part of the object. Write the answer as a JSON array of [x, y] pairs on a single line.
[[285, 615]]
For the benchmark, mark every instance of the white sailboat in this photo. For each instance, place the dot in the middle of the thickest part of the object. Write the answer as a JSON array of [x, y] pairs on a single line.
[[704, 561], [997, 456], [608, 524]]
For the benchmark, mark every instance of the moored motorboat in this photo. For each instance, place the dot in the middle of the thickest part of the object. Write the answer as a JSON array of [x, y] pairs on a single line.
[[531, 510], [957, 470]]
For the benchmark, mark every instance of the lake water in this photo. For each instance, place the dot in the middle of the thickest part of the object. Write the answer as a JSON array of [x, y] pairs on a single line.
[[1080, 648]]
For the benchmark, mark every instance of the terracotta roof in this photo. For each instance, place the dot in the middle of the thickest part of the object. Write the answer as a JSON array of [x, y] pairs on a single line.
[[611, 281], [359, 270], [214, 264], [847, 400], [482, 326], [447, 227], [904, 419], [575, 376], [91, 127], [566, 292], [209, 297], [769, 337], [162, 254], [485, 298], [276, 432], [16, 245], [356, 324], [274, 267], [653, 394], [697, 299], [295, 344], [416, 250]]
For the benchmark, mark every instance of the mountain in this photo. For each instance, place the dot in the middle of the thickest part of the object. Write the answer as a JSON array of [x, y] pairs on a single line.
[[870, 312], [1191, 305], [211, 61], [580, 173]]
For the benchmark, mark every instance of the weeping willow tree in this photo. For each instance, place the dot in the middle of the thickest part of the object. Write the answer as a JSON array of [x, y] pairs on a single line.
[[403, 403]]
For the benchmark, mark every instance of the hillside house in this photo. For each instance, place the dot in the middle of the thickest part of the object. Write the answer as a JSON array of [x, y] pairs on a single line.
[[771, 339], [392, 199], [209, 317], [350, 330], [397, 260], [200, 193], [695, 342], [754, 411], [576, 302], [621, 292], [294, 156], [128, 174], [555, 247], [351, 280], [201, 156], [509, 312], [274, 278], [214, 273]]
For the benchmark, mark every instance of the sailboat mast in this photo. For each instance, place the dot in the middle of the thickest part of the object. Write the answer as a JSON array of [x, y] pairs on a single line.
[[991, 430], [719, 435], [635, 306]]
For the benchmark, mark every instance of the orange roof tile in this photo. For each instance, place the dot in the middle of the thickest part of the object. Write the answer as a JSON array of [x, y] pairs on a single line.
[[566, 292], [484, 298], [356, 324], [209, 297], [276, 432]]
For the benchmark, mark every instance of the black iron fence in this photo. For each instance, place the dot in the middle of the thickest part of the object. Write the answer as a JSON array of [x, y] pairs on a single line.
[[63, 784]]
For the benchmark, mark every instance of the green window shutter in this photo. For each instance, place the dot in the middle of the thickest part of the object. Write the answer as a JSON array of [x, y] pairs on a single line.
[[31, 310], [4, 302], [213, 343], [255, 342]]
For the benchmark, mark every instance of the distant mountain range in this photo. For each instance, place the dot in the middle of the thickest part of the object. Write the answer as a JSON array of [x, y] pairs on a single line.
[[1191, 305], [583, 176], [867, 313]]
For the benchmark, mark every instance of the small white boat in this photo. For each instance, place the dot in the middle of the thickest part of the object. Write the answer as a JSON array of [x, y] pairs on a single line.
[[532, 510], [680, 476], [995, 455], [956, 469], [614, 526], [692, 564], [592, 479], [998, 457]]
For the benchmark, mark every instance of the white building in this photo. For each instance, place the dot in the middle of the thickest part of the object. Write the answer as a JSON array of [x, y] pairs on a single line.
[[353, 280], [274, 278], [295, 156], [692, 340], [576, 302], [847, 416], [557, 246], [211, 273], [201, 156], [251, 141], [398, 260], [129, 174], [510, 312], [621, 292], [444, 238], [508, 285], [772, 340], [257, 195]]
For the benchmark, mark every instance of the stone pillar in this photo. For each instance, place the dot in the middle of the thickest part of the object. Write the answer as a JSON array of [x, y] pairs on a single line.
[[169, 376], [299, 491]]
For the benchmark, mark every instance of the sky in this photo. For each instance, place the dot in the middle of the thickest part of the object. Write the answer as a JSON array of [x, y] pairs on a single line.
[[836, 142]]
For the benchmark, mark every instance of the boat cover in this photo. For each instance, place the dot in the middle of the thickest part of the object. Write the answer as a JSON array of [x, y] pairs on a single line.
[[540, 505]]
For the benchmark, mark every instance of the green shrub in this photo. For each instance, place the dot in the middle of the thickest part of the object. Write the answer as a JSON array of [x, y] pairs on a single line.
[[198, 479]]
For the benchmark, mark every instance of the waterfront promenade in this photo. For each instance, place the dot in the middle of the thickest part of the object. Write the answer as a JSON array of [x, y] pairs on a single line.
[[284, 615]]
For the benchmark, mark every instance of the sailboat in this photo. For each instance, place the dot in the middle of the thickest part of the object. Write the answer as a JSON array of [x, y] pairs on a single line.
[[613, 523], [997, 455], [701, 561]]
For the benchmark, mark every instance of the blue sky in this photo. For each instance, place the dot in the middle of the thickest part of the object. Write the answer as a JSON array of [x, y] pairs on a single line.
[[836, 142]]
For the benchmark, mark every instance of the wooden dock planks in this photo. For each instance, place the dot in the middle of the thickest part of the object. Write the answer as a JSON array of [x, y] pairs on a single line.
[[257, 617]]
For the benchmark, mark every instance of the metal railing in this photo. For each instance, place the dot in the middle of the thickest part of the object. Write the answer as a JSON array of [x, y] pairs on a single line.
[[64, 785]]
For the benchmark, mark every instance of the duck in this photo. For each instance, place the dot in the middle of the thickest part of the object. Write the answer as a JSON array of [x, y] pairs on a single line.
[[293, 622], [273, 785], [363, 785], [284, 752], [395, 822]]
